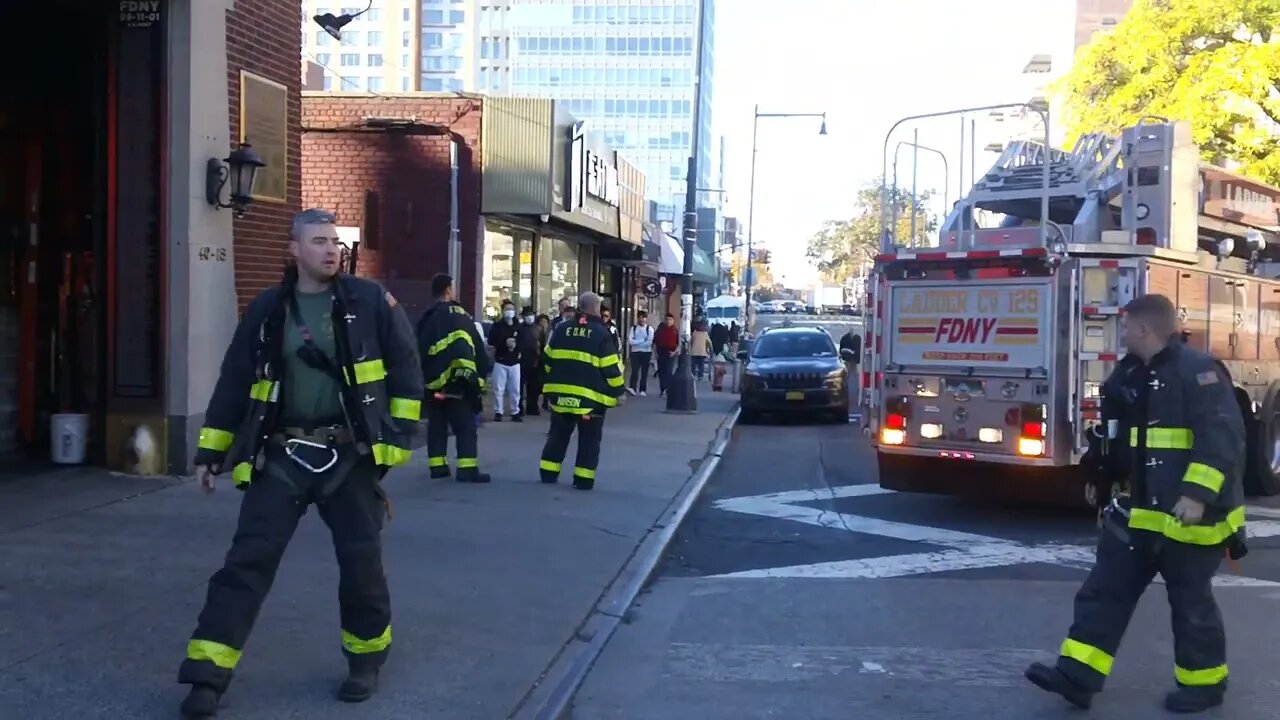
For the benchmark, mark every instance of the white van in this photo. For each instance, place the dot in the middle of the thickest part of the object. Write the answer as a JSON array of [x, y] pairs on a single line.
[[724, 310]]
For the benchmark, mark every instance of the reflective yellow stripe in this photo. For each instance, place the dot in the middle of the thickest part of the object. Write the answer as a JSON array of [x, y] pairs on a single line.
[[457, 335], [455, 365], [215, 439], [1168, 525], [587, 473], [438, 461], [1088, 655], [1164, 438], [356, 646], [390, 455], [615, 381], [242, 474], [1205, 476], [264, 390], [368, 371], [583, 357], [578, 390], [1200, 678], [224, 656], [549, 466], [467, 463], [571, 410], [406, 409]]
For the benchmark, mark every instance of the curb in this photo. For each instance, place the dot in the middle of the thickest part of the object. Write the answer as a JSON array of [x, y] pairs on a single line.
[[551, 696]]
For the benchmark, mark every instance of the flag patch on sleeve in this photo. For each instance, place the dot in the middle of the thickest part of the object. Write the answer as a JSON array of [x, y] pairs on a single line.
[[1208, 377]]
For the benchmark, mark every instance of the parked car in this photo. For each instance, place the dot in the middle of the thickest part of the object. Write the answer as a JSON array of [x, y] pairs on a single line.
[[793, 370]]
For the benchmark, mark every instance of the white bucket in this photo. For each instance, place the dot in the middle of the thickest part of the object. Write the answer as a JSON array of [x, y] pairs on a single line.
[[69, 438]]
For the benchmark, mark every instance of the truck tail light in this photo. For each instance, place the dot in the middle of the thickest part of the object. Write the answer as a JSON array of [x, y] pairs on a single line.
[[930, 431], [896, 421], [1032, 431]]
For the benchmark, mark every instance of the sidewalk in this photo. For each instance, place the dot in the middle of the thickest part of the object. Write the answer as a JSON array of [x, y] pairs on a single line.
[[488, 582]]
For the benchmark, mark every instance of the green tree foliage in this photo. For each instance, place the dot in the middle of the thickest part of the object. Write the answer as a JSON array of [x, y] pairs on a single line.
[[841, 247], [1213, 64]]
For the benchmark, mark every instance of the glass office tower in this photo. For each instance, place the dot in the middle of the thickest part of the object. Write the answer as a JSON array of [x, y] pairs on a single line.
[[625, 67]]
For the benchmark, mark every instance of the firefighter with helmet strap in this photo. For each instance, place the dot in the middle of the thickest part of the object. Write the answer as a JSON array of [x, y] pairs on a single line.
[[1182, 438], [319, 394], [455, 364], [583, 379]]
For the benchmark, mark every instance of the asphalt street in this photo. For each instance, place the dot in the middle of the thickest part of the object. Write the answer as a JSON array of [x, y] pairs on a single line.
[[796, 589]]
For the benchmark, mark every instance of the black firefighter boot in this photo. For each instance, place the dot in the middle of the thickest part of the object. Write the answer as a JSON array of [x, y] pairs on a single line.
[[201, 703], [1051, 679], [361, 683], [1193, 700]]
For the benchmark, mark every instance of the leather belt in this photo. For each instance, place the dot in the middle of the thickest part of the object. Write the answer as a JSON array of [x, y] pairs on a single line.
[[336, 435]]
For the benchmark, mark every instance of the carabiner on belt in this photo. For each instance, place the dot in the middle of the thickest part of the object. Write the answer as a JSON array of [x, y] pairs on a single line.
[[291, 444]]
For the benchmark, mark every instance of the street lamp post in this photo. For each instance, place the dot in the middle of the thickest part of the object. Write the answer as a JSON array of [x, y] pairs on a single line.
[[681, 396], [946, 180], [751, 200]]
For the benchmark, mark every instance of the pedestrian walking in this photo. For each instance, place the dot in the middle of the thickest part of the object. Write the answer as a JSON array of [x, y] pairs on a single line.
[[532, 338], [640, 342], [584, 379], [666, 342], [699, 348], [320, 393], [454, 364], [1171, 419], [504, 339]]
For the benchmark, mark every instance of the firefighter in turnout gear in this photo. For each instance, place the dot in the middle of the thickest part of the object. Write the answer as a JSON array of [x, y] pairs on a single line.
[[1182, 450], [455, 364], [319, 394], [583, 379]]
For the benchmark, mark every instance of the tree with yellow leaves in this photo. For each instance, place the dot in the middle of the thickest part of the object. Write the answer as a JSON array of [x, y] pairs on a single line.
[[1215, 65]]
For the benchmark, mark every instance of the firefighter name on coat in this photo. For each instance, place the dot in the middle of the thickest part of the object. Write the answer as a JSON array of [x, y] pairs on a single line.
[[963, 550]]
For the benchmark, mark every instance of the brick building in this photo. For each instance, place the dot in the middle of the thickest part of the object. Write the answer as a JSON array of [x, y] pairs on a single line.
[[513, 196], [121, 281]]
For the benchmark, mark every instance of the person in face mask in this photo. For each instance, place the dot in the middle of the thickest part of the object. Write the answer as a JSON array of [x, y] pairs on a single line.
[[504, 341], [531, 341]]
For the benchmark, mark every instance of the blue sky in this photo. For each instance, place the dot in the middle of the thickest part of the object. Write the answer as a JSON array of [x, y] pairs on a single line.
[[865, 64]]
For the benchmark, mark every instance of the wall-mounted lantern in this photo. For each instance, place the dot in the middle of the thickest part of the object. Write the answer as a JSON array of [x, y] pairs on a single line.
[[240, 169], [333, 24]]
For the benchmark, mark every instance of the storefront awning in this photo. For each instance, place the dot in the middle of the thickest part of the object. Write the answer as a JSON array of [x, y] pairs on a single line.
[[672, 262], [704, 271]]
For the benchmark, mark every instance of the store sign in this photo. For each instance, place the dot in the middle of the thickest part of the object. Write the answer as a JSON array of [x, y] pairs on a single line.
[[590, 174], [652, 289], [139, 13]]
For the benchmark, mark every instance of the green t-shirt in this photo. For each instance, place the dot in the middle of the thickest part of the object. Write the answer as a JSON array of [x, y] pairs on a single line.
[[309, 393]]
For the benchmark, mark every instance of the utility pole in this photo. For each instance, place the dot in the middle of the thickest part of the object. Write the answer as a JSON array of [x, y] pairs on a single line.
[[681, 393]]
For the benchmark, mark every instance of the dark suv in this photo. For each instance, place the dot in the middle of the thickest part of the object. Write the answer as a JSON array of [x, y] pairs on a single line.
[[795, 370]]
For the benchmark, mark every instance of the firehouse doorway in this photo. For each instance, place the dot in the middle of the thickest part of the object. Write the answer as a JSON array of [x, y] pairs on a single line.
[[53, 218]]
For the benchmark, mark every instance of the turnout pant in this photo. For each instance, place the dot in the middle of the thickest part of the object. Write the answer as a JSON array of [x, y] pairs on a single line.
[[353, 507], [1106, 601], [458, 415], [590, 432], [506, 384]]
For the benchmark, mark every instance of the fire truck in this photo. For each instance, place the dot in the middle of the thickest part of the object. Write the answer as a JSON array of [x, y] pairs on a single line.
[[985, 355]]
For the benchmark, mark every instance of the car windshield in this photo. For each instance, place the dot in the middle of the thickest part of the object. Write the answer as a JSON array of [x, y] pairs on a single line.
[[793, 344]]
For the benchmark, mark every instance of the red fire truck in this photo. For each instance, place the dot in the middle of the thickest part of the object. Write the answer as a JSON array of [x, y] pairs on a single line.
[[985, 355]]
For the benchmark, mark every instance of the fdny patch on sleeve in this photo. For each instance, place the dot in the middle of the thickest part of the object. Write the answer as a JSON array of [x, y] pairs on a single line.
[[391, 299], [1208, 377]]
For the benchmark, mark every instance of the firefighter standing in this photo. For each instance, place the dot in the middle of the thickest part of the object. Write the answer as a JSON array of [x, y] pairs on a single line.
[[583, 379], [1182, 442], [455, 364], [318, 395]]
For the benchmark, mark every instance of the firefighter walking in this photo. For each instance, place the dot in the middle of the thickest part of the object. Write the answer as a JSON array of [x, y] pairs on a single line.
[[455, 364], [319, 394], [583, 379], [1177, 439]]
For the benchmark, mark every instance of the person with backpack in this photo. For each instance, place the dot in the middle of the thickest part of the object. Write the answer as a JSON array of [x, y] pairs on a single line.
[[641, 346]]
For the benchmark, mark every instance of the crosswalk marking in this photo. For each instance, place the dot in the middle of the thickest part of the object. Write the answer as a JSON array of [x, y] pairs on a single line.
[[966, 551]]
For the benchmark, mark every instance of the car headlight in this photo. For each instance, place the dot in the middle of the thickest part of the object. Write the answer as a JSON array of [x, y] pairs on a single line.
[[749, 372], [835, 374]]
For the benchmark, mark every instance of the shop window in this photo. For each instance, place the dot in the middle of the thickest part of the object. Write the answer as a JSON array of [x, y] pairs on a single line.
[[558, 269], [507, 271]]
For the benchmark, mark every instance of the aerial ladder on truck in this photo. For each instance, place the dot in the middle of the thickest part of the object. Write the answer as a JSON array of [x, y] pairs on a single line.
[[985, 354]]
